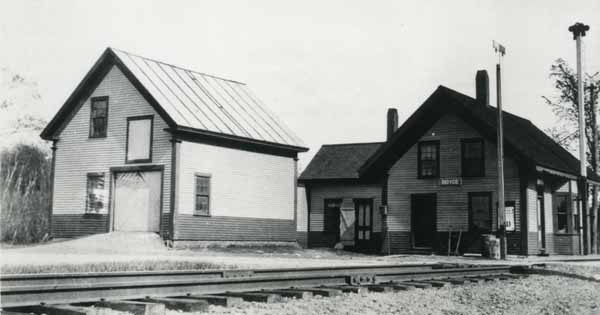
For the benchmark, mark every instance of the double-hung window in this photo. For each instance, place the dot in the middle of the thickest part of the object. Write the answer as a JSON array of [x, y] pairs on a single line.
[[473, 158], [98, 117], [202, 195], [561, 202], [96, 194], [429, 159]]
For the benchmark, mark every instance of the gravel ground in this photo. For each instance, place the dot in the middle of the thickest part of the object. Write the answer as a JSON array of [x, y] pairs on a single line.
[[534, 295]]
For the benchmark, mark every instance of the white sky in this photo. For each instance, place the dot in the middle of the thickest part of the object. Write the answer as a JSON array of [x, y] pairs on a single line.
[[329, 69]]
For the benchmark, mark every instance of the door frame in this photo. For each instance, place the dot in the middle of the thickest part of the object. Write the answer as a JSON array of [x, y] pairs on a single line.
[[339, 210], [128, 169], [412, 218], [370, 202], [540, 205]]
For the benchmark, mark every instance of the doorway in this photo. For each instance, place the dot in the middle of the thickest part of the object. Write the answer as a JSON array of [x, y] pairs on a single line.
[[541, 221], [137, 201], [364, 224], [423, 220]]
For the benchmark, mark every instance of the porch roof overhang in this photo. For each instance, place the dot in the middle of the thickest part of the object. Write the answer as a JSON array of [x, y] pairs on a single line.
[[554, 172]]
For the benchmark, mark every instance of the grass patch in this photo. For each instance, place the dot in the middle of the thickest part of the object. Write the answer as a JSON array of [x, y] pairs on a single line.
[[142, 265]]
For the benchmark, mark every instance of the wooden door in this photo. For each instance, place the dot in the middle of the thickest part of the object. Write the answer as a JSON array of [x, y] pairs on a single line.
[[423, 220], [137, 201], [364, 224]]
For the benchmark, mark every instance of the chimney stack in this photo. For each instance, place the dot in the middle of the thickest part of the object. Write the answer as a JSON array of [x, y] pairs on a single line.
[[482, 87], [392, 122]]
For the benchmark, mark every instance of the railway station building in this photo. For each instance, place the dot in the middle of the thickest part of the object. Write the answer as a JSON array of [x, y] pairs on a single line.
[[435, 179], [146, 146]]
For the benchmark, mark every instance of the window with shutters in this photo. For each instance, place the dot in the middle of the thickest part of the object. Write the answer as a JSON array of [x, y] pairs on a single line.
[[429, 159], [202, 195], [98, 117], [473, 158], [95, 194]]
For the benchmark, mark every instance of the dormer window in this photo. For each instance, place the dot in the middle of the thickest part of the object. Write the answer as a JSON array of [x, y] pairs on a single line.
[[98, 117]]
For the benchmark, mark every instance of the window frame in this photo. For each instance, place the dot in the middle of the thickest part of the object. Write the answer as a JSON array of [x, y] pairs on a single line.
[[436, 143], [208, 195], [339, 210], [464, 161], [87, 193], [91, 131], [134, 118], [568, 213]]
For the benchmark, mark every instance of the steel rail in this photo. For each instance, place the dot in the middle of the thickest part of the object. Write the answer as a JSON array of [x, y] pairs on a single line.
[[26, 290]]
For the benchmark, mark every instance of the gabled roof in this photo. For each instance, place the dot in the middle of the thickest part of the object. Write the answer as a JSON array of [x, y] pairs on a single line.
[[338, 161], [523, 139], [187, 100]]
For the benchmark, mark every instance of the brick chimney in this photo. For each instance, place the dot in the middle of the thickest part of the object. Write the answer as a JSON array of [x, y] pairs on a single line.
[[482, 88], [392, 122]]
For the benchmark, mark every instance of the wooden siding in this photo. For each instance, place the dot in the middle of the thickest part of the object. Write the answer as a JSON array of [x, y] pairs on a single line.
[[202, 228], [77, 154], [243, 184], [320, 192], [452, 201], [75, 225], [566, 244]]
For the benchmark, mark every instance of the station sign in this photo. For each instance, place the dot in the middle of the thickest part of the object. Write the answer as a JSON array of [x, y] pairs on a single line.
[[450, 181]]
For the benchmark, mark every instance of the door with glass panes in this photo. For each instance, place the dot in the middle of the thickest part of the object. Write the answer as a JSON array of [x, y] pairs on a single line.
[[363, 237]]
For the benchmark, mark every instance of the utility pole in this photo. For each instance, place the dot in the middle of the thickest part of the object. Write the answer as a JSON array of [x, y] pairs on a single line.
[[578, 30], [501, 51]]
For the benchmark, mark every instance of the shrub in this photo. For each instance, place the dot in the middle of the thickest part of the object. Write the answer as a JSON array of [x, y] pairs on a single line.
[[25, 186]]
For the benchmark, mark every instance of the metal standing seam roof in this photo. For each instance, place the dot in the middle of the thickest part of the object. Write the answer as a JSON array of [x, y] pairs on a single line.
[[202, 101]]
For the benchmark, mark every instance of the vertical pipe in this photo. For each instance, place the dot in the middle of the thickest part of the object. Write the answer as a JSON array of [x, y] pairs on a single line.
[[501, 218]]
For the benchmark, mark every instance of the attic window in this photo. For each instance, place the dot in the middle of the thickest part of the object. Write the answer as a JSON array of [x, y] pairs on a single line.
[[429, 159], [98, 117], [139, 139]]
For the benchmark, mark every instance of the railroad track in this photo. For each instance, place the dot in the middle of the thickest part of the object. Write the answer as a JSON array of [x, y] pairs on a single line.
[[187, 290]]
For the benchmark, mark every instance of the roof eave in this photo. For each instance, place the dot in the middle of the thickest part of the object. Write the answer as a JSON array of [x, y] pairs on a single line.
[[202, 135]]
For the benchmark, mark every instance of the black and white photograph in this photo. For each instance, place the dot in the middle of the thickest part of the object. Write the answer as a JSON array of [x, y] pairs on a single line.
[[299, 157]]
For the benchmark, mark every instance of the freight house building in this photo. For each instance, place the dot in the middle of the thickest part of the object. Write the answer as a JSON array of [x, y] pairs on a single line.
[[437, 175], [142, 145]]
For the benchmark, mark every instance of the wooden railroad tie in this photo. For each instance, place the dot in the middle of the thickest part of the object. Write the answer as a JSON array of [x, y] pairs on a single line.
[[328, 292], [227, 301], [180, 304], [135, 307], [291, 293], [255, 296]]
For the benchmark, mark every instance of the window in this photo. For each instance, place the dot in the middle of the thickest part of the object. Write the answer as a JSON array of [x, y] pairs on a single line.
[[480, 211], [473, 158], [95, 194], [139, 139], [331, 217], [202, 195], [562, 213], [98, 117], [429, 159]]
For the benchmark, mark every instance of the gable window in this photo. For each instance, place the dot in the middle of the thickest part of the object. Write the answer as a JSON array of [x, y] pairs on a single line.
[[331, 217], [139, 139], [95, 194], [202, 195], [473, 158], [429, 159], [98, 117], [561, 202]]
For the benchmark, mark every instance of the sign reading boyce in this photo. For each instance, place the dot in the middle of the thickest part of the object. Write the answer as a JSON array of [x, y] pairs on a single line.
[[451, 181]]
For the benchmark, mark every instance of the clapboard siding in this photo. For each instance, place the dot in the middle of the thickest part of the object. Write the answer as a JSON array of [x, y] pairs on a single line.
[[452, 201], [77, 154], [532, 243], [243, 183], [320, 192], [566, 244], [399, 242], [201, 228], [75, 225]]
